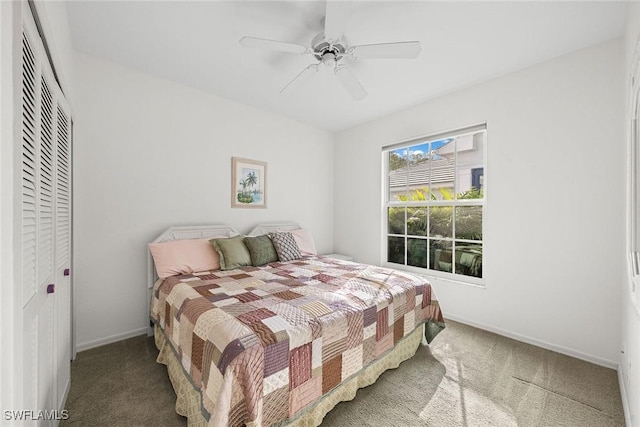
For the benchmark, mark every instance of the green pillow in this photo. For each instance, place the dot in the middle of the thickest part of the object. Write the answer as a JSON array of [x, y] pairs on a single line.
[[233, 252], [261, 250]]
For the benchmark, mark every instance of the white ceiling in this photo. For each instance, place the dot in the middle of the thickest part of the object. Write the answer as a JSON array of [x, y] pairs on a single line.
[[463, 43]]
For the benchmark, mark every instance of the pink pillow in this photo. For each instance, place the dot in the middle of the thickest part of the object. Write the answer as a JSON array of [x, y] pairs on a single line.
[[184, 257], [304, 239]]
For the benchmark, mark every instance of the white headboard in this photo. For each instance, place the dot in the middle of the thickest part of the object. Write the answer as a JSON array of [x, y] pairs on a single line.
[[178, 233], [267, 228]]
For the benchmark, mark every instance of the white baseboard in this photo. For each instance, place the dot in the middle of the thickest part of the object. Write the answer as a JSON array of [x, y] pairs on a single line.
[[623, 395], [538, 343], [111, 339]]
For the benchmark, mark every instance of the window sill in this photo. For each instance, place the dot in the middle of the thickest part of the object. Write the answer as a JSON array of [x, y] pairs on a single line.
[[429, 274]]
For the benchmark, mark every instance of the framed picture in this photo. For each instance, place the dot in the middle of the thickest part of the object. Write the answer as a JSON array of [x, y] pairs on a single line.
[[248, 183]]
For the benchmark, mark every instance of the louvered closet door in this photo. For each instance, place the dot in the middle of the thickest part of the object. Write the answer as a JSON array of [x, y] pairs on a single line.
[[63, 252], [37, 253], [45, 229]]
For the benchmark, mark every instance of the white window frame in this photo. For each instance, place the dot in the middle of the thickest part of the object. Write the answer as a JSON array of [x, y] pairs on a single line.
[[452, 277], [633, 185]]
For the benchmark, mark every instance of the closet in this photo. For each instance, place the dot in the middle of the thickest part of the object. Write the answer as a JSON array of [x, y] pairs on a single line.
[[45, 231]]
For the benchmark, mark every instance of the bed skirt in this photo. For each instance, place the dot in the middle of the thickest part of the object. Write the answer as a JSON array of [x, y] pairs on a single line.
[[188, 403]]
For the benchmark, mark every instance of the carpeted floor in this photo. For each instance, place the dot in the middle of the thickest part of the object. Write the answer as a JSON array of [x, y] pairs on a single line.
[[467, 377]]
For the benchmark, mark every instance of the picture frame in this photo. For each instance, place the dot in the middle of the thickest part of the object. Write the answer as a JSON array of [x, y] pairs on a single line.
[[248, 183]]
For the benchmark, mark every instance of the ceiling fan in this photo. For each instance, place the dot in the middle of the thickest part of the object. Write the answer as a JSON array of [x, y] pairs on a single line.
[[330, 49]]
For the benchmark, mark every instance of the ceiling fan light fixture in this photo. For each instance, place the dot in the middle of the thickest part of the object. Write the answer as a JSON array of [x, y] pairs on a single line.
[[329, 59]]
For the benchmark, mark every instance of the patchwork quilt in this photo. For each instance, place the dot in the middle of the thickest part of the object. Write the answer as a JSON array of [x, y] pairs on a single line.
[[262, 343]]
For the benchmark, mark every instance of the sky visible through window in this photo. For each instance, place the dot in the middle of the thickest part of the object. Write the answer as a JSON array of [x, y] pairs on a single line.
[[423, 148]]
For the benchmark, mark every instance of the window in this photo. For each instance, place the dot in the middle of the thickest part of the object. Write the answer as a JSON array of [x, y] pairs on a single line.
[[435, 196]]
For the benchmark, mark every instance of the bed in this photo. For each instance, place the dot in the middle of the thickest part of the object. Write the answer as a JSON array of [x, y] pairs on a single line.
[[280, 343]]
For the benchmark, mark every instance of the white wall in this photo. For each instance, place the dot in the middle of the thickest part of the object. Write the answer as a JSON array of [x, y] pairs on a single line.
[[150, 154], [554, 213], [55, 25], [630, 361]]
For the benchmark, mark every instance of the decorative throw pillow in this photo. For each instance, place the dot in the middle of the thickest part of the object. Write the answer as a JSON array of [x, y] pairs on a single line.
[[261, 250], [233, 252], [305, 242], [286, 246], [183, 256]]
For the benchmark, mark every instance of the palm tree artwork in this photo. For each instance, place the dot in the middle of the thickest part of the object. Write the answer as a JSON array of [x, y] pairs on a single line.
[[250, 180], [248, 183]]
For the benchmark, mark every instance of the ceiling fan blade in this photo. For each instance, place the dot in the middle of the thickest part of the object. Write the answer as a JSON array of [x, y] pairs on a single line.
[[406, 50], [301, 78], [351, 83], [335, 17], [273, 45]]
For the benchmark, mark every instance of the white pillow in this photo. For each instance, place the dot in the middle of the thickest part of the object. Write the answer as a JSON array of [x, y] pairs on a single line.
[[305, 242]]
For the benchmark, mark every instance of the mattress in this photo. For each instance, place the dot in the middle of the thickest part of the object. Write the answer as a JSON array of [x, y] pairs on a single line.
[[266, 345]]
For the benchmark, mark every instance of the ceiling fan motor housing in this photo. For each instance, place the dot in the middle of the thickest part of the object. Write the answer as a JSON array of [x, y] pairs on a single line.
[[321, 47]]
